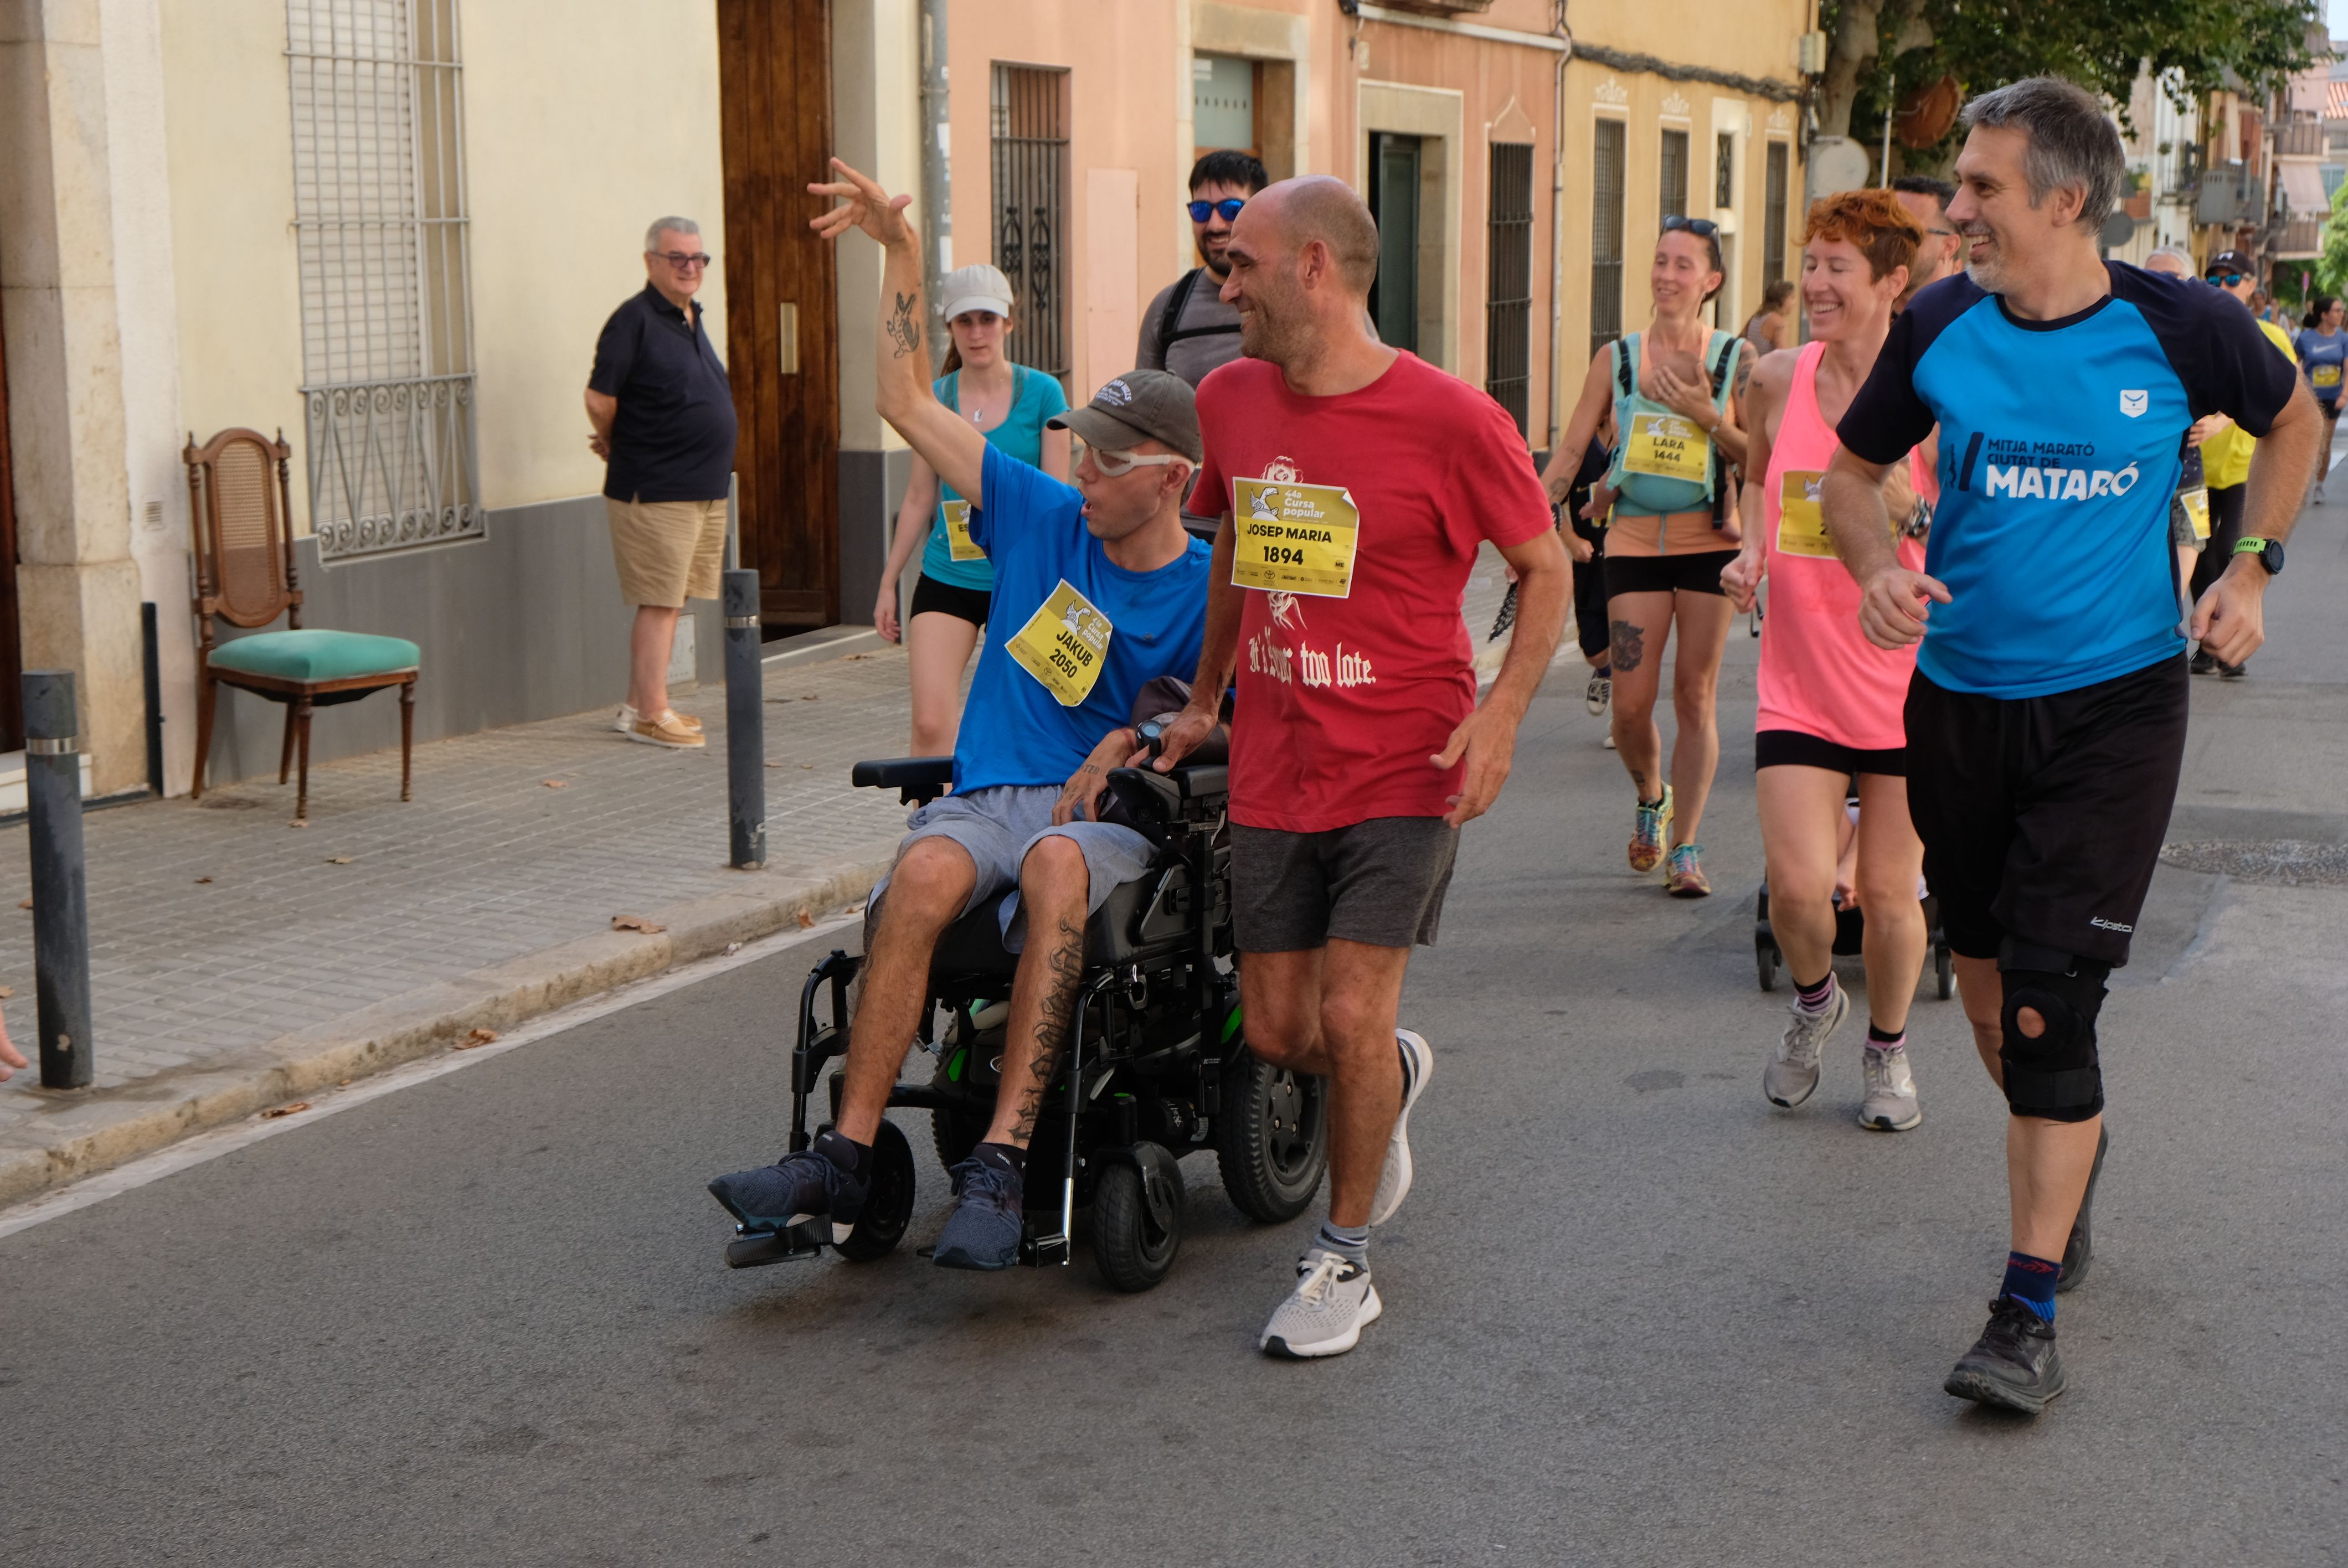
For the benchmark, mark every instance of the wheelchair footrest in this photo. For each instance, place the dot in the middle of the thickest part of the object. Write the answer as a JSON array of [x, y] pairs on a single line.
[[1043, 1251], [757, 1249]]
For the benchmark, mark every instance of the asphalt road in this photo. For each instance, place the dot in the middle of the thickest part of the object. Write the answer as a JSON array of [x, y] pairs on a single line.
[[1634, 1314]]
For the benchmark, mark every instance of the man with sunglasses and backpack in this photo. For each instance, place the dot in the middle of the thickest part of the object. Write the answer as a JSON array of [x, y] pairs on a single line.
[[1188, 329]]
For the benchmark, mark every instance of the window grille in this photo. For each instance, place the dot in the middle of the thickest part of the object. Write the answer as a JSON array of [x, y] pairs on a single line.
[[1606, 234], [387, 309], [1028, 136], [1509, 281], [1773, 216], [1723, 169], [1673, 175]]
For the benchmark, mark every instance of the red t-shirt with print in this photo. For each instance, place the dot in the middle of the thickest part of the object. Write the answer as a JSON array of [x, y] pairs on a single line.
[[1342, 699]]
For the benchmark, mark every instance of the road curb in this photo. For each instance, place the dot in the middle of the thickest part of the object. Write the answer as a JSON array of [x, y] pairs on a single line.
[[77, 1134]]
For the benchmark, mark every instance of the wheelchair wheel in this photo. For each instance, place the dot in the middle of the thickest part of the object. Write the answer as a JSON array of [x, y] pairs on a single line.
[[1765, 958], [1134, 1246], [1944, 971], [889, 1206], [954, 1134], [1272, 1139]]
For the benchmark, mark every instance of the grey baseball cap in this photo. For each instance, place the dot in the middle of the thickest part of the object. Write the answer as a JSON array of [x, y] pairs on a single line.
[[1140, 405]]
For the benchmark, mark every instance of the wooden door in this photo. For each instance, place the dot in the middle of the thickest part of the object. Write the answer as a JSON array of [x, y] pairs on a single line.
[[12, 653], [773, 86]]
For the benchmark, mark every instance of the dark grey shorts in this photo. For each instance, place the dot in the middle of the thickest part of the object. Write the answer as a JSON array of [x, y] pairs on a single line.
[[1380, 882]]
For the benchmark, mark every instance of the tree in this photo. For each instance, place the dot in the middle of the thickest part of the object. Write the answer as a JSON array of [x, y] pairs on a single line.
[[2332, 267], [1879, 50]]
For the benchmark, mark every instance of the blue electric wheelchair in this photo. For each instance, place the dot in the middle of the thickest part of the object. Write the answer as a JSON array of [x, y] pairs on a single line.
[[1156, 1066]]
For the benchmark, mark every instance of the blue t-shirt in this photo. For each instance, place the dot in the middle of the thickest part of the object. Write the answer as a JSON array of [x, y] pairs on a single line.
[[1015, 730], [2322, 358], [2060, 443], [1035, 398]]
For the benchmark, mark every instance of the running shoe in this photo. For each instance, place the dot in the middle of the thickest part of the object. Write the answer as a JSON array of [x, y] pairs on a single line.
[[802, 1186], [1683, 877], [1325, 1314], [2081, 1250], [2203, 662], [1394, 1181], [1599, 691], [1889, 1105], [2231, 671], [1647, 831], [2014, 1365], [1792, 1075], [984, 1229]]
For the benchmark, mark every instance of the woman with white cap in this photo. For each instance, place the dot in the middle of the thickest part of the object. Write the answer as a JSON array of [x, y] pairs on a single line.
[[1009, 405]]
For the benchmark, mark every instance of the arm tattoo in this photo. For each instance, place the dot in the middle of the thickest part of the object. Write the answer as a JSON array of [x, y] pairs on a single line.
[[1744, 369], [1628, 646], [904, 324], [1067, 963]]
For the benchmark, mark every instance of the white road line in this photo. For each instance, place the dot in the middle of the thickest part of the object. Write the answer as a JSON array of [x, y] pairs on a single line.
[[212, 1146]]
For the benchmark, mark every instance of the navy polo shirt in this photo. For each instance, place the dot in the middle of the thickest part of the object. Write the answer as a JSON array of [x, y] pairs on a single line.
[[672, 438]]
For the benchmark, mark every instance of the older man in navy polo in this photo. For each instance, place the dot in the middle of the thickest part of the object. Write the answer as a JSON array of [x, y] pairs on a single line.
[[664, 425]]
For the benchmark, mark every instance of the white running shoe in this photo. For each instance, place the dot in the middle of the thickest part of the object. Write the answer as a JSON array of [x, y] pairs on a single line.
[[1598, 693], [1890, 1104], [1792, 1075], [1326, 1312], [1394, 1181]]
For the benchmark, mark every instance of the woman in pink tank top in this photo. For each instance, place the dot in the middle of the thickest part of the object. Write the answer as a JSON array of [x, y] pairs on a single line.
[[1831, 700]]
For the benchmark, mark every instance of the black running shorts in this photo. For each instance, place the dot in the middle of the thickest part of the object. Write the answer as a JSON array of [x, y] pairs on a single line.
[[2043, 818], [1800, 749], [932, 597], [1379, 882], [1698, 572]]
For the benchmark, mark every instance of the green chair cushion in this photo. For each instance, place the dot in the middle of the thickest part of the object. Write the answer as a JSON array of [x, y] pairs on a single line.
[[316, 655]]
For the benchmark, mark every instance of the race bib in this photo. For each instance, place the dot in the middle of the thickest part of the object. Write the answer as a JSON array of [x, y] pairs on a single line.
[[960, 546], [1063, 645], [2195, 502], [1669, 447], [1801, 520], [2325, 376], [1293, 538]]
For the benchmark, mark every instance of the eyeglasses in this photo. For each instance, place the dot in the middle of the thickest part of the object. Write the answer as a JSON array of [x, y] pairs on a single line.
[[1229, 207], [1117, 464], [2225, 280], [680, 260], [1703, 228]]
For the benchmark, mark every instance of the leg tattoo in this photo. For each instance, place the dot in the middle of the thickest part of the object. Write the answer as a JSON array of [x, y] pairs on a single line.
[[1067, 963], [1628, 644]]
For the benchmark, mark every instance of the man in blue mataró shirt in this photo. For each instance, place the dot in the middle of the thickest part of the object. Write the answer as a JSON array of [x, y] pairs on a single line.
[[2046, 717], [1097, 592]]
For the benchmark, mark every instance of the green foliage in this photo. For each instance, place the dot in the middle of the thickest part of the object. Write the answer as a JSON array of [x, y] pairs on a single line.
[[2332, 266]]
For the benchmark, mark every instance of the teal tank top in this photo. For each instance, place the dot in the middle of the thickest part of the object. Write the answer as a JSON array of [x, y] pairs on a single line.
[[1035, 398], [1663, 463]]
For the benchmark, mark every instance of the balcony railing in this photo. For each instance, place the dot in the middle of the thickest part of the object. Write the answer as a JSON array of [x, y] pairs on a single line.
[[2301, 139], [2301, 237]]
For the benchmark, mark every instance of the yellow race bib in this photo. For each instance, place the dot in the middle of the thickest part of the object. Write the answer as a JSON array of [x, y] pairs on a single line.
[[2325, 376], [1293, 538], [2195, 502], [1801, 521], [960, 546], [1669, 447], [1063, 645]]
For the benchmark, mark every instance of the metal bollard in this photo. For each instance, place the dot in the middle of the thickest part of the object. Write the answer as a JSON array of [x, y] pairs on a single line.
[[746, 723], [60, 891]]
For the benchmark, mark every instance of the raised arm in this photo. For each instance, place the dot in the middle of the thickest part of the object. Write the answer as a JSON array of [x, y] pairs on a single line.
[[952, 447]]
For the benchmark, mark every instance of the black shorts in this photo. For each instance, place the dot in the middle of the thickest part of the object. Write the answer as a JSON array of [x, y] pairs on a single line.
[[2043, 818], [1380, 882], [932, 597], [1698, 572], [1799, 749]]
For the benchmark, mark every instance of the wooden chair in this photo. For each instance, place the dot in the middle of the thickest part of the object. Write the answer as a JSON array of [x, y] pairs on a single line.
[[244, 574]]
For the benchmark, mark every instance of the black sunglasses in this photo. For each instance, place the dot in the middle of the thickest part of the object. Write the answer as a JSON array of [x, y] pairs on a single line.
[[1705, 228], [1229, 207]]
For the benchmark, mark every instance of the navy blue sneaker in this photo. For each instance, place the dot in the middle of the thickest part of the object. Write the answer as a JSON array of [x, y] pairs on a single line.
[[983, 1232], [801, 1186]]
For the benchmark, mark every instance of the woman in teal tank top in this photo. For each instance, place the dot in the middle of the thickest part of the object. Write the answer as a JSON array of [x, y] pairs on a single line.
[[1009, 405]]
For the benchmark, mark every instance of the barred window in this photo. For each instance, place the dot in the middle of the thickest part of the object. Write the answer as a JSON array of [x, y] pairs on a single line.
[[1607, 147], [386, 311], [1508, 281], [1773, 216], [1671, 175], [1028, 136]]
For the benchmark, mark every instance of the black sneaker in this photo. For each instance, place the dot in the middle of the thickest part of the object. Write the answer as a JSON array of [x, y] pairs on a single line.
[[2080, 1251], [2014, 1365], [2231, 671], [2203, 662], [984, 1229], [802, 1186]]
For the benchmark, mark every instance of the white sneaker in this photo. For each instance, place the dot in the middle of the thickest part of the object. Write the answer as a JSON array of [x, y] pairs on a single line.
[[1792, 1075], [1326, 1312], [1890, 1104], [1394, 1179], [1599, 692]]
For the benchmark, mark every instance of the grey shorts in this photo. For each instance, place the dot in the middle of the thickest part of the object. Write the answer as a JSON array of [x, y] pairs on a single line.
[[1380, 882], [998, 827]]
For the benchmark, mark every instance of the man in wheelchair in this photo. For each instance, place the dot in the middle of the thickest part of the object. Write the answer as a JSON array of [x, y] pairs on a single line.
[[1098, 590]]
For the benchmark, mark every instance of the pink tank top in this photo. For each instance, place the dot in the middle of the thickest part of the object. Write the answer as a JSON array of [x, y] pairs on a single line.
[[1819, 674]]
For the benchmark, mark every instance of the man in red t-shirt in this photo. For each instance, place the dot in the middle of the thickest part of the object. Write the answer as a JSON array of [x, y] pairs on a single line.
[[1355, 483]]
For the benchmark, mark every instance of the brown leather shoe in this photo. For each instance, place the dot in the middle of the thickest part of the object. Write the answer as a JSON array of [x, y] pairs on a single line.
[[626, 720], [668, 730]]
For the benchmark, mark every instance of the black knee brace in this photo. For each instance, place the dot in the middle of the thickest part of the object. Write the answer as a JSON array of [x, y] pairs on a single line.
[[2057, 1075]]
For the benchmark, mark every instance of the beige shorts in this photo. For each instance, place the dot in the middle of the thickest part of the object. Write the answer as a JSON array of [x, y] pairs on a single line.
[[667, 551]]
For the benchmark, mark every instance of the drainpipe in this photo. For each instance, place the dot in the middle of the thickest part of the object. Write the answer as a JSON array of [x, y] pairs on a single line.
[[1557, 225], [937, 207]]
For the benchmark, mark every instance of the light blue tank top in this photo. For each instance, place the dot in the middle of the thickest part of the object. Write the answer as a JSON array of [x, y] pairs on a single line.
[[1646, 431]]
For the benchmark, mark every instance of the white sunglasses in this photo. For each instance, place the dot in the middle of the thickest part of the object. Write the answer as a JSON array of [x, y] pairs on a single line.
[[1117, 464]]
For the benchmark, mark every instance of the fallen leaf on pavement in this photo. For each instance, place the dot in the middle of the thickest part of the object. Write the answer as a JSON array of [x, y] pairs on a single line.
[[806, 766], [342, 1083], [634, 923], [806, 920], [477, 1037], [299, 821], [809, 697], [853, 909], [276, 1110], [202, 880], [732, 949], [555, 783], [338, 860], [26, 904], [773, 764], [6, 991]]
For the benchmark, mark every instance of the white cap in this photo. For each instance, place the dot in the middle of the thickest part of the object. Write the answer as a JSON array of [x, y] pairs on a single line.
[[976, 288]]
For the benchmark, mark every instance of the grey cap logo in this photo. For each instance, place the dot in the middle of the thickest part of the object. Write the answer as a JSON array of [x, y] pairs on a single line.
[[1116, 393]]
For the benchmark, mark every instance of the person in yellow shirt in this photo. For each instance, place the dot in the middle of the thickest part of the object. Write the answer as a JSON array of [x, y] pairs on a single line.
[[2226, 455]]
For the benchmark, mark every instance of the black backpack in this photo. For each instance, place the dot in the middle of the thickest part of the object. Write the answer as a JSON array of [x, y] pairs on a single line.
[[1177, 299]]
